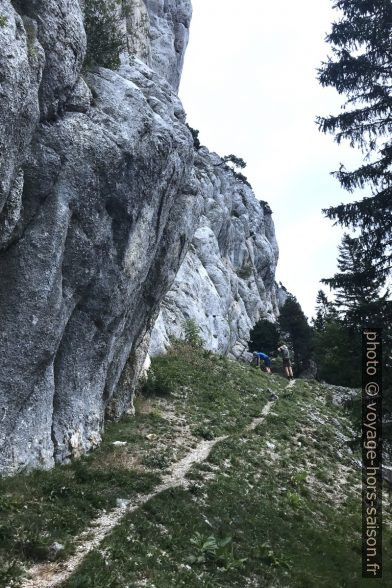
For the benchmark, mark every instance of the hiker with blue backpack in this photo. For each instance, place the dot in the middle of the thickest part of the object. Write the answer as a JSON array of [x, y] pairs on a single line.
[[258, 356]]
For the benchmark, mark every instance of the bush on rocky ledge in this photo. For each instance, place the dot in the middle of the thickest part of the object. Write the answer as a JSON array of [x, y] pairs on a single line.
[[105, 41]]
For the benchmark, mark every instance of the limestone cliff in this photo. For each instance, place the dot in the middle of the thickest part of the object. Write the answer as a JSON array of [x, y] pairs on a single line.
[[97, 208], [227, 280], [101, 194]]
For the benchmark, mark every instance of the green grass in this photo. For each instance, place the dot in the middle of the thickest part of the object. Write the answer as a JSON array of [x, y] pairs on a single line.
[[44, 507], [276, 506], [274, 517], [215, 395]]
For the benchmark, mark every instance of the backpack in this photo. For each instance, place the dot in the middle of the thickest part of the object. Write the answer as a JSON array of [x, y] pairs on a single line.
[[285, 352]]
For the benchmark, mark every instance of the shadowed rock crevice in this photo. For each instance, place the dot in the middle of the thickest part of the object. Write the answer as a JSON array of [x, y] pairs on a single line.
[[122, 222]]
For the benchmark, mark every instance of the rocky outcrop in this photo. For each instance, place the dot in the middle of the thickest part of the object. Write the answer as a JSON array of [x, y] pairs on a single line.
[[157, 32], [98, 205], [282, 295], [310, 372], [169, 35], [101, 194], [227, 280]]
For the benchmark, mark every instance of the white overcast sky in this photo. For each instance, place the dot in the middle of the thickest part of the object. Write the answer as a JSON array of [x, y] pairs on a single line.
[[249, 85]]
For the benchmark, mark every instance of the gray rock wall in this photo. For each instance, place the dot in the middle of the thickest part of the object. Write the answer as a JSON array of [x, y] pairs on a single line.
[[101, 194], [169, 34], [227, 280], [97, 208]]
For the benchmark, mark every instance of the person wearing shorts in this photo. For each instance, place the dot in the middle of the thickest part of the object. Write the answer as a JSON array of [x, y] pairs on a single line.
[[287, 368], [258, 355]]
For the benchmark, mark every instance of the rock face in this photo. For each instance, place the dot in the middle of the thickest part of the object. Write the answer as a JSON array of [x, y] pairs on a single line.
[[98, 205], [169, 33], [157, 32], [101, 194], [282, 294], [227, 280]]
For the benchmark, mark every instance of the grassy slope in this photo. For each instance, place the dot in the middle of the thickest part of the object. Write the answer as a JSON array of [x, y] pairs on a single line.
[[277, 506]]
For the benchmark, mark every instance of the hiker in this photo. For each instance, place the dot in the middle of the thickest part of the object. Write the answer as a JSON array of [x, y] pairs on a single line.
[[285, 353], [258, 355]]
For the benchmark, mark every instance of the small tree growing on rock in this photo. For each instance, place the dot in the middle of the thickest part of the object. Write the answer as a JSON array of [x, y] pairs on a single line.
[[195, 136], [192, 334], [236, 163], [105, 41]]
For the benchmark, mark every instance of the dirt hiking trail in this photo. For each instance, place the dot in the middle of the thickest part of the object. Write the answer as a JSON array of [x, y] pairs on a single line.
[[49, 575]]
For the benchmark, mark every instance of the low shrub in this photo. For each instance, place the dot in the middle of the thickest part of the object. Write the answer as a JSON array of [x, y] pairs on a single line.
[[195, 136], [105, 41], [192, 334], [245, 272]]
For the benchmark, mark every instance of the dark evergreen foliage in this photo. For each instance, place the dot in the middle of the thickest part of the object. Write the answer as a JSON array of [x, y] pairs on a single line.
[[361, 301], [195, 136], [361, 68], [358, 285], [337, 352], [105, 41], [242, 178], [294, 323], [236, 161], [325, 311], [264, 337]]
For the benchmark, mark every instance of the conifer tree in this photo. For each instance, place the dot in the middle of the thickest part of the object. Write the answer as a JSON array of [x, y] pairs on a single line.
[[361, 301], [105, 41], [358, 287], [294, 323], [325, 311], [264, 337], [361, 68]]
